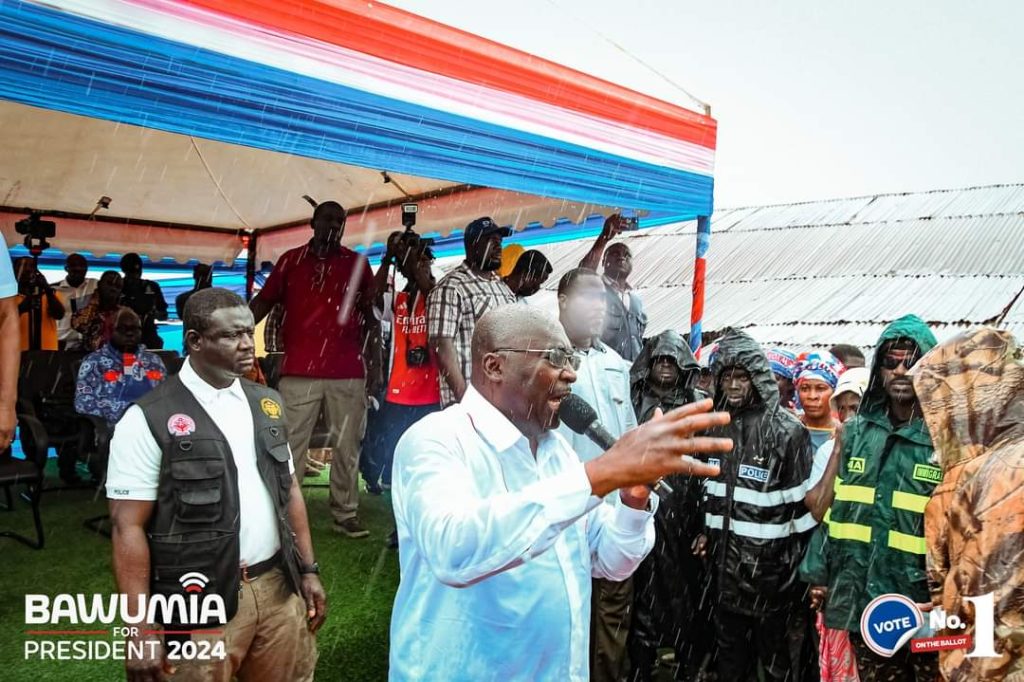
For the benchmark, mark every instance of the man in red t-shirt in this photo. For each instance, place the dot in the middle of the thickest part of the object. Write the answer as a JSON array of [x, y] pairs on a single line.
[[412, 388], [332, 344]]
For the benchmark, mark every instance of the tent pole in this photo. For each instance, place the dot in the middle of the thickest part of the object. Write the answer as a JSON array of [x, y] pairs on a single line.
[[250, 266], [699, 272]]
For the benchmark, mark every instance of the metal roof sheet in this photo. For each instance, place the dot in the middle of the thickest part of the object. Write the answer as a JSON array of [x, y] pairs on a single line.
[[824, 272]]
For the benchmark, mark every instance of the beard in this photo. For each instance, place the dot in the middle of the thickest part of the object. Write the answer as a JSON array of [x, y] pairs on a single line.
[[491, 264]]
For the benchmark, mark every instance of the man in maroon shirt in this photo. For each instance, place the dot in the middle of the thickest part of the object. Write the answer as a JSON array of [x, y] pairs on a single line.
[[332, 351]]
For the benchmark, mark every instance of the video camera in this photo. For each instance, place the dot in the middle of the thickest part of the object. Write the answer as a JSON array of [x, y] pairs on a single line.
[[36, 231], [410, 241]]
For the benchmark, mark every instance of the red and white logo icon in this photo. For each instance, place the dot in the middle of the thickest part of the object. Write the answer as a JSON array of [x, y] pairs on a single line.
[[194, 581], [181, 425]]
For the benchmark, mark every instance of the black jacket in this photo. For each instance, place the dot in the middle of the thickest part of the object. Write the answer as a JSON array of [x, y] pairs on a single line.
[[756, 521], [670, 584]]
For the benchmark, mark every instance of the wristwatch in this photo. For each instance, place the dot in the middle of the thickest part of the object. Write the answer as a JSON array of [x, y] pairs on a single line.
[[310, 568]]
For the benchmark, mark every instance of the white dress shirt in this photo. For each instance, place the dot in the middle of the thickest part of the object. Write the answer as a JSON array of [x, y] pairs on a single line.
[[602, 381], [497, 548], [133, 472]]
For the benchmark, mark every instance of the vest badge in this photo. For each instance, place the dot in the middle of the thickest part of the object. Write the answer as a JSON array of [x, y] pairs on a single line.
[[181, 425], [270, 408]]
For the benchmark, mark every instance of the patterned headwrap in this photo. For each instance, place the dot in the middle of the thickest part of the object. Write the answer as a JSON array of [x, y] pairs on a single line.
[[820, 365], [783, 362]]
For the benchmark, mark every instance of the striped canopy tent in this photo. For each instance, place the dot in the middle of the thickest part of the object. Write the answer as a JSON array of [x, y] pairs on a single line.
[[206, 122]]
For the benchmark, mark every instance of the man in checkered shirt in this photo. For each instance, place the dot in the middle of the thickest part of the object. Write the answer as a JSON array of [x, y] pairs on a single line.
[[460, 299]]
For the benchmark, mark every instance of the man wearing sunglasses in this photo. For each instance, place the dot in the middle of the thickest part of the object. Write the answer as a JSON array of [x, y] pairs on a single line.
[[602, 380], [500, 524], [887, 471]]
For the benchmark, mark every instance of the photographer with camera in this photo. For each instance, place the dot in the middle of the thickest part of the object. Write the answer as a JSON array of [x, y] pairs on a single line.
[[412, 387], [38, 305]]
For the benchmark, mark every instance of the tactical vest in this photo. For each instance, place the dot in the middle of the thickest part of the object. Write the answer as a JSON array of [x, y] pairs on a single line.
[[876, 523], [195, 523]]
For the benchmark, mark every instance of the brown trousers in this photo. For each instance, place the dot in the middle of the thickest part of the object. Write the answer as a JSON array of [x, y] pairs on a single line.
[[611, 609], [344, 405], [266, 641]]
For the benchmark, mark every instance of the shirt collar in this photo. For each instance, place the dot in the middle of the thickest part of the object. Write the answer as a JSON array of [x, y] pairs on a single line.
[[624, 287], [490, 423], [204, 392], [139, 352], [487, 276], [595, 344]]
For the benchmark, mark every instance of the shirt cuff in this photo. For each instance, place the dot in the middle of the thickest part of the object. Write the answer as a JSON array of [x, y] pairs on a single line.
[[123, 492], [635, 521]]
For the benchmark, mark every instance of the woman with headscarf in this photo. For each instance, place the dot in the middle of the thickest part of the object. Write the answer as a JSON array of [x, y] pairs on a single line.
[[670, 606], [835, 653], [784, 366]]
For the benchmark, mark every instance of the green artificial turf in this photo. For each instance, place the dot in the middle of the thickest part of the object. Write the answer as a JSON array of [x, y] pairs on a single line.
[[360, 577]]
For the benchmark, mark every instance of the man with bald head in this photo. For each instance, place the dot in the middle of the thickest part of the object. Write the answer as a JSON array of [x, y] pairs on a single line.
[[120, 372], [626, 319], [113, 377], [500, 523]]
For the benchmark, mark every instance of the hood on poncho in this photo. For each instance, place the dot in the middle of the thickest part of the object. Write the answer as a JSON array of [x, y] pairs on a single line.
[[971, 390], [909, 327], [738, 349], [668, 343]]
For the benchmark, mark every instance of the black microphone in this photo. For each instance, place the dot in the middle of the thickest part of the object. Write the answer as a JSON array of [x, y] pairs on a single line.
[[578, 415]]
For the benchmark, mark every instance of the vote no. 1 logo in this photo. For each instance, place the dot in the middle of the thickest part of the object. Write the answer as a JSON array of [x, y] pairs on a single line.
[[889, 622]]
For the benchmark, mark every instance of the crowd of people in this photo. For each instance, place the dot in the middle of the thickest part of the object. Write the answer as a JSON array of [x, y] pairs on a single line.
[[817, 484]]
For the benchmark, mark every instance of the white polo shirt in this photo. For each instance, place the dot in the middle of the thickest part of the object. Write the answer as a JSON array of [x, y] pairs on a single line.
[[133, 472]]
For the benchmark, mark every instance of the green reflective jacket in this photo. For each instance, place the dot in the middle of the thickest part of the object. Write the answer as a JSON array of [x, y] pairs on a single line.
[[876, 539]]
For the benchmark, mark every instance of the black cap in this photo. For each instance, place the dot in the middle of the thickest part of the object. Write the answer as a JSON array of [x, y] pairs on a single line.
[[481, 227]]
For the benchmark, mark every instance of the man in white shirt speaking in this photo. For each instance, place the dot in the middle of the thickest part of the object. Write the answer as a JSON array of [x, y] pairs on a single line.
[[203, 499], [500, 524]]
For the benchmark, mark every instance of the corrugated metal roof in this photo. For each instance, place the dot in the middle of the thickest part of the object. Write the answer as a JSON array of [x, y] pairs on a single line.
[[865, 336], [835, 300], [838, 270], [981, 245]]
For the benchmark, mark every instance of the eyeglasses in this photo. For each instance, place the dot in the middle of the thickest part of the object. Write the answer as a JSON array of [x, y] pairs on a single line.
[[559, 357], [892, 362]]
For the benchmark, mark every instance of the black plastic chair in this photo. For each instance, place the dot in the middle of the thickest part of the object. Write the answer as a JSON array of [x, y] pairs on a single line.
[[46, 407], [101, 432], [172, 361], [27, 472]]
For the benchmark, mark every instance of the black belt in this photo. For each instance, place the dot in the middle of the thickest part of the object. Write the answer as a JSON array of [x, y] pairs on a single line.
[[250, 573]]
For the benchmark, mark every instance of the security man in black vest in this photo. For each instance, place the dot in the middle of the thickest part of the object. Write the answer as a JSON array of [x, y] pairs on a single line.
[[201, 481]]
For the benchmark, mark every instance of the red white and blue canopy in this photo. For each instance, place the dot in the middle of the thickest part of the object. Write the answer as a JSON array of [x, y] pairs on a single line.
[[222, 113]]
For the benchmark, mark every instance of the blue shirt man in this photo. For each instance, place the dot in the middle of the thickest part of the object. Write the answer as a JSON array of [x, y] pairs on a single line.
[[118, 373]]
